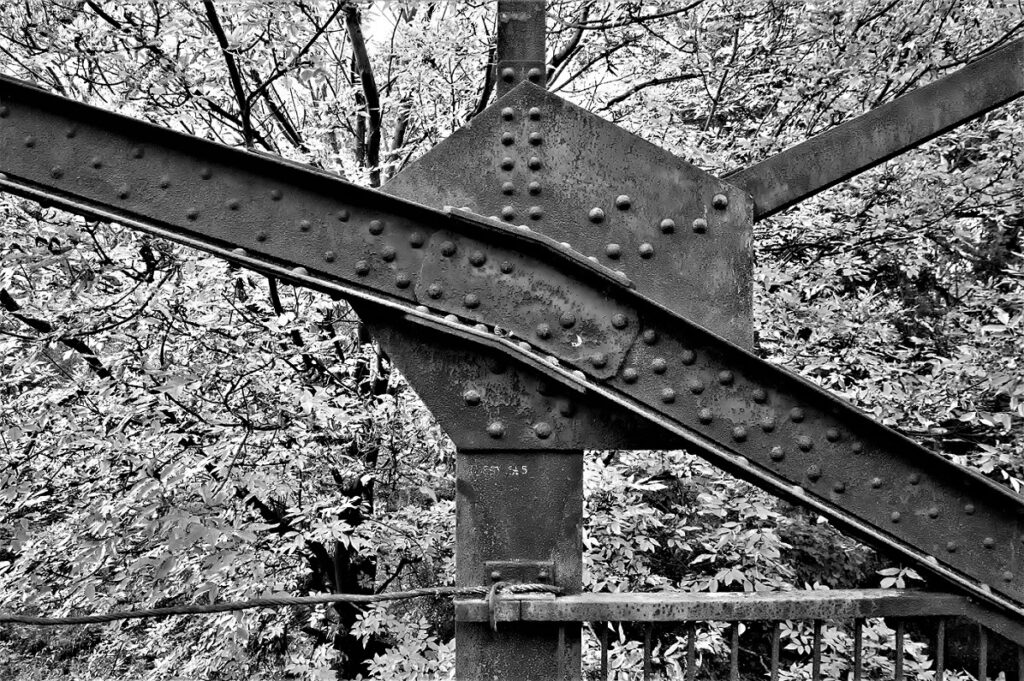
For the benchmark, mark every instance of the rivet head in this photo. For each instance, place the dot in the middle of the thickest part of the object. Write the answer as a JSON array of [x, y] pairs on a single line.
[[205, 173], [507, 138], [543, 331], [96, 162], [534, 163], [720, 201], [542, 430], [567, 320], [261, 236], [435, 290], [471, 301], [796, 414], [989, 543], [613, 251], [646, 250], [447, 249], [533, 188], [4, 112], [768, 424], [668, 395], [623, 202], [832, 435], [508, 163], [71, 132], [477, 258], [804, 443], [951, 546], [534, 114], [342, 215], [739, 433], [300, 271], [700, 225], [416, 239], [506, 267], [705, 416], [123, 193], [508, 213], [275, 194], [599, 359], [969, 509], [329, 256], [533, 75], [192, 214], [759, 395], [619, 320], [403, 280], [388, 253], [138, 152], [725, 377], [305, 225], [659, 365], [876, 482], [233, 204], [777, 453], [894, 516], [165, 182], [376, 228], [914, 478], [508, 189], [536, 212], [362, 268], [508, 74], [496, 429], [56, 172], [696, 387], [507, 113], [596, 215], [629, 375], [30, 141], [472, 397], [687, 357], [933, 512], [536, 138], [813, 472], [839, 487], [1007, 576], [566, 408], [857, 448], [667, 226]]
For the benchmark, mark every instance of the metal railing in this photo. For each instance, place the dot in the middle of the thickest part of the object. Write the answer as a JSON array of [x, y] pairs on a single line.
[[647, 612]]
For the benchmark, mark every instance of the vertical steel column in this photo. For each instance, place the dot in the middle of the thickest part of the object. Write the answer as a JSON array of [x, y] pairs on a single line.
[[519, 512]]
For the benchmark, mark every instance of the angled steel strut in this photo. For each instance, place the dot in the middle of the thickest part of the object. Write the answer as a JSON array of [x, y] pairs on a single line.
[[580, 326]]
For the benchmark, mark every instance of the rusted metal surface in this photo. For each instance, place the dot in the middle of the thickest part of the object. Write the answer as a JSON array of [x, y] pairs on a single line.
[[876, 136], [520, 48], [534, 159], [626, 350], [519, 508]]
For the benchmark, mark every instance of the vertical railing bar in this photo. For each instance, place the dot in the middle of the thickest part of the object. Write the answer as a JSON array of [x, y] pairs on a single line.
[[734, 653], [647, 651], [816, 659], [604, 651], [858, 648], [899, 650], [691, 651], [940, 650], [982, 653], [776, 635]]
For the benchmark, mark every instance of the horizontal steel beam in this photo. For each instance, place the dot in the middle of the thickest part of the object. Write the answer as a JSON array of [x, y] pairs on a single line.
[[561, 316], [835, 604], [886, 131]]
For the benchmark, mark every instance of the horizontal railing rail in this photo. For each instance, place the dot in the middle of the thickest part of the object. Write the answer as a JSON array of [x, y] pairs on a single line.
[[663, 609]]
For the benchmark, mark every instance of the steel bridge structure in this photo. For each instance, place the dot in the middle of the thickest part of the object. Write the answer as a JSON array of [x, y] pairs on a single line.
[[550, 283]]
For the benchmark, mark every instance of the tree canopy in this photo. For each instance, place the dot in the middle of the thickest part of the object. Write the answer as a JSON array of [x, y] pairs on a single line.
[[177, 430]]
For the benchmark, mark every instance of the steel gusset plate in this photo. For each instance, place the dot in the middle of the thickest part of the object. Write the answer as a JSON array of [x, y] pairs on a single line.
[[757, 420]]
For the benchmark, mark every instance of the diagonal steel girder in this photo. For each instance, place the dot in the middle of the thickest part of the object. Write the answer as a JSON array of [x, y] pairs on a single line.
[[799, 172], [575, 323]]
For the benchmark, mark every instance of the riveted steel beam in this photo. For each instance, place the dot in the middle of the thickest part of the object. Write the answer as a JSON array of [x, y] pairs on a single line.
[[750, 417], [886, 131]]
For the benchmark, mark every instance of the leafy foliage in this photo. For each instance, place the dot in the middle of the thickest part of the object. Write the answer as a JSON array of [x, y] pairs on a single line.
[[178, 431]]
